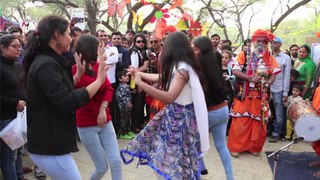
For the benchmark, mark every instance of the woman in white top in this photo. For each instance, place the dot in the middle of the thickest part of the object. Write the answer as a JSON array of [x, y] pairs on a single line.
[[172, 142]]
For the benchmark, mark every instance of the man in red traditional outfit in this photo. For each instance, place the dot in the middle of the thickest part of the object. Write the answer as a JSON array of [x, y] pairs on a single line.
[[255, 71]]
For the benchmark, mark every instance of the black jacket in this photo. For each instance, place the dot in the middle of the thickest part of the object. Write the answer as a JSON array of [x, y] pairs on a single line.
[[11, 88], [51, 105]]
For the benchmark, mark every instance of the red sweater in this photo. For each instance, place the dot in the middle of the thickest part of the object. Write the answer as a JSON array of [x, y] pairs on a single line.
[[86, 116]]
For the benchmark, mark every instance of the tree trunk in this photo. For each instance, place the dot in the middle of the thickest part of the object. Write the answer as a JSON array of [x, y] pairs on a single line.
[[92, 15]]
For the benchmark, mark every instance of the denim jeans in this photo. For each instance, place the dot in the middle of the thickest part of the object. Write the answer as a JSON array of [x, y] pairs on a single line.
[[102, 146], [19, 163], [278, 126], [218, 120], [8, 157], [58, 167]]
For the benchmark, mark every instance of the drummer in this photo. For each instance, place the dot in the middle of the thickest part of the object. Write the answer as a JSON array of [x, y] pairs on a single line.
[[295, 97], [316, 106]]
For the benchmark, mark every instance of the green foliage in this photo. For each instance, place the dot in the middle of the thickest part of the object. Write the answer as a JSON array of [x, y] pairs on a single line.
[[296, 31]]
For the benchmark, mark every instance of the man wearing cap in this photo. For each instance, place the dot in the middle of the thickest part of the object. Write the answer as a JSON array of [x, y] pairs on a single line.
[[254, 72], [279, 90]]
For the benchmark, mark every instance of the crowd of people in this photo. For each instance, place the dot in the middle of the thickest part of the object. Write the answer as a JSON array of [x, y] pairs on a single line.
[[163, 93]]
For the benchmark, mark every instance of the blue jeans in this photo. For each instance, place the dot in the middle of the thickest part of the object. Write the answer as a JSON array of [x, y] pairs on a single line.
[[278, 126], [58, 167], [102, 146], [8, 157], [218, 120], [19, 163]]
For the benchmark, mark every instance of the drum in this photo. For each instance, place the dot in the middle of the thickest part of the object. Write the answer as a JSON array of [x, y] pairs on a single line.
[[297, 109], [308, 127]]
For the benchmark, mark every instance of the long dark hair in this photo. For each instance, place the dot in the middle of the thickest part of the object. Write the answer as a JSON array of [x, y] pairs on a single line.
[[5, 40], [211, 66], [143, 39], [177, 49], [39, 40], [141, 51], [87, 46]]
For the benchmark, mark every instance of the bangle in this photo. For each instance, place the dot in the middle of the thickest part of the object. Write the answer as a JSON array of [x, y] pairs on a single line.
[[103, 106]]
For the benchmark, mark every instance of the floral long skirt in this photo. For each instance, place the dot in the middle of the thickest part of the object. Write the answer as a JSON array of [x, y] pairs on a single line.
[[169, 144]]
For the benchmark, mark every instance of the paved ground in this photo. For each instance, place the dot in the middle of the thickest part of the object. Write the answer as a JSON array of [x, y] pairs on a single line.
[[247, 167]]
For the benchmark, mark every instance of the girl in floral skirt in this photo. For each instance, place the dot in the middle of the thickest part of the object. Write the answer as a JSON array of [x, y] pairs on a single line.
[[172, 143]]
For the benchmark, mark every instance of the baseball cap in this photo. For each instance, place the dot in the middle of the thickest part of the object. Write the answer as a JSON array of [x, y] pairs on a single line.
[[277, 39]]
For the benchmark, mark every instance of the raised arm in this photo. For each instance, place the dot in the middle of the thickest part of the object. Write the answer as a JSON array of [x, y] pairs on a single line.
[[176, 86]]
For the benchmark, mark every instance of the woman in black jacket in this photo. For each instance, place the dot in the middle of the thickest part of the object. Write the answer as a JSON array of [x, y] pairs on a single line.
[[13, 98], [52, 100]]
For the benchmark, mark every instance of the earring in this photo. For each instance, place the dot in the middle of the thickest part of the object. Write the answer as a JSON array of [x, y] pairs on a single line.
[[58, 44]]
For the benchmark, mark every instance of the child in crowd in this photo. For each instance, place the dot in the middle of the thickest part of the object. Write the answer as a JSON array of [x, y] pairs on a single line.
[[124, 102], [229, 80], [294, 74], [295, 97], [124, 42], [228, 75]]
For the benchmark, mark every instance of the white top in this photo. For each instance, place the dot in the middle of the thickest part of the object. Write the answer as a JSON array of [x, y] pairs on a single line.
[[112, 59], [193, 92], [185, 96], [292, 99]]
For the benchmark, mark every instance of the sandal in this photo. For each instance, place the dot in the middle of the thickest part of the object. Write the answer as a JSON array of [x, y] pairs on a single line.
[[39, 174], [26, 170], [255, 154], [235, 154]]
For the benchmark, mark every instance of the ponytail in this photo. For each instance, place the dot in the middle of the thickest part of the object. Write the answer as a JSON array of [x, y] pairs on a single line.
[[32, 49], [40, 38]]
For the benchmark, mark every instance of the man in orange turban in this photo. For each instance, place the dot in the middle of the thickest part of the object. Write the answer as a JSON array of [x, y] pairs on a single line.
[[255, 71]]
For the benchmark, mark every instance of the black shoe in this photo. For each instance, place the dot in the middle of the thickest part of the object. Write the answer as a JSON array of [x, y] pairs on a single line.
[[274, 139], [204, 172]]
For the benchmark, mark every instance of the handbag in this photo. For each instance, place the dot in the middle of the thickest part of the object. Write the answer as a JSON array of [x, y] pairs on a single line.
[[15, 133]]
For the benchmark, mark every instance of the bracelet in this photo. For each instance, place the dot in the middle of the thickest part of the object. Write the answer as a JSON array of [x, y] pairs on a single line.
[[250, 77], [103, 106]]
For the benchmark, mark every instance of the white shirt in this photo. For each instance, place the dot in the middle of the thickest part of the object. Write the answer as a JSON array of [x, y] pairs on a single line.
[[112, 59]]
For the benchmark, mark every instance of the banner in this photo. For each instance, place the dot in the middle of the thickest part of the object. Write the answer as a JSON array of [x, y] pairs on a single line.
[[77, 17]]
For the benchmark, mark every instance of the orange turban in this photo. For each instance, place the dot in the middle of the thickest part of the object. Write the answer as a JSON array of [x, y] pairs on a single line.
[[169, 29], [267, 35]]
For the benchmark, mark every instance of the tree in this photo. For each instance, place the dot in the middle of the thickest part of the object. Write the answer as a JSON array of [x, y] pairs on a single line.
[[23, 11], [223, 13], [97, 11], [285, 10]]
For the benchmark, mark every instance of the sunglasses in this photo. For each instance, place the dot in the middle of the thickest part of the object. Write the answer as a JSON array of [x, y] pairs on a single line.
[[140, 42], [103, 35], [155, 41]]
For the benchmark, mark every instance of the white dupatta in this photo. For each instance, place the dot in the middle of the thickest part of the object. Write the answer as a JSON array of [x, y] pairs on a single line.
[[200, 106]]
